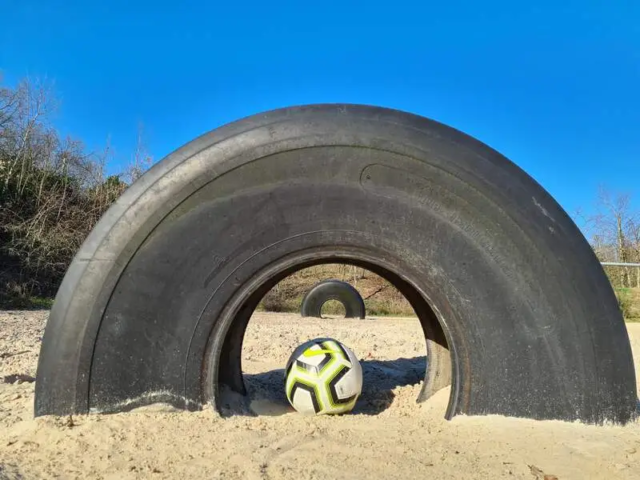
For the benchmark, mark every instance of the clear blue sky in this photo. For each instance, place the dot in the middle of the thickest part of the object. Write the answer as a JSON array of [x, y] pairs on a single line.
[[553, 84]]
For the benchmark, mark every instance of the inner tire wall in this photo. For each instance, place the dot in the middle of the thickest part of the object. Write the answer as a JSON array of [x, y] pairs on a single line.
[[223, 374], [340, 291], [531, 320]]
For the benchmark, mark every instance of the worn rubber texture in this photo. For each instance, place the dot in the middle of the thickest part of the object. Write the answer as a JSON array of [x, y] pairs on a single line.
[[155, 303], [326, 290]]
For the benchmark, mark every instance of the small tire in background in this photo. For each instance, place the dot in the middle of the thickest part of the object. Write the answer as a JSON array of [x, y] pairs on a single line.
[[337, 290]]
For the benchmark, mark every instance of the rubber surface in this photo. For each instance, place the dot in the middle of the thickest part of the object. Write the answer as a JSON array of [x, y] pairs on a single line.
[[326, 290], [155, 303]]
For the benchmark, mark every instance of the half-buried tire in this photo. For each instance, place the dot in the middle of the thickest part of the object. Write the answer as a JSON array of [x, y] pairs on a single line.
[[327, 290], [517, 312]]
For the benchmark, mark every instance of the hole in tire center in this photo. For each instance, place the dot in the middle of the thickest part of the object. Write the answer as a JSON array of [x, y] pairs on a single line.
[[332, 309], [389, 342]]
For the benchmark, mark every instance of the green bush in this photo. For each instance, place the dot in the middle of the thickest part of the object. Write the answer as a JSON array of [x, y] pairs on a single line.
[[625, 302], [52, 193]]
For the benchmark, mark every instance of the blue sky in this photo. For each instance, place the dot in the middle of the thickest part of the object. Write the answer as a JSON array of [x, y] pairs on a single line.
[[554, 85]]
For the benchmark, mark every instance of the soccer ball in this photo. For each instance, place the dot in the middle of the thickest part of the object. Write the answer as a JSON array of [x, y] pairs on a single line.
[[323, 377]]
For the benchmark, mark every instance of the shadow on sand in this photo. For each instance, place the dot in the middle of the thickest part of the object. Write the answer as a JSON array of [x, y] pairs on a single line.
[[380, 377]]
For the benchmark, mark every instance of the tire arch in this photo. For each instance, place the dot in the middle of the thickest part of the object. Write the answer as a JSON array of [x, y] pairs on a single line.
[[568, 341]]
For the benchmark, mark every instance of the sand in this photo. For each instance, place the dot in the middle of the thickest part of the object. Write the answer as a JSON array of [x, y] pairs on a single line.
[[388, 435]]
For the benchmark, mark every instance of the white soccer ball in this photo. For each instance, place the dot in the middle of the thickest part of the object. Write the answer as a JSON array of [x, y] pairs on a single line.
[[323, 377]]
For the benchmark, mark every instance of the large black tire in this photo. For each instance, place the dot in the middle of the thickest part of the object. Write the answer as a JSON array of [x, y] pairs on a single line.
[[154, 306], [326, 290]]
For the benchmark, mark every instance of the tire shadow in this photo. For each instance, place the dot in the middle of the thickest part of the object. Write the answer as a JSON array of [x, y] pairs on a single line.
[[9, 472], [266, 396]]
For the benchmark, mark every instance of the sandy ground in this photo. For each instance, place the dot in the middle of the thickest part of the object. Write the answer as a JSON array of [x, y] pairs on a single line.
[[387, 436]]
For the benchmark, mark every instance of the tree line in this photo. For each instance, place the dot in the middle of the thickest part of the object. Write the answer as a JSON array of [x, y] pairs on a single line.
[[53, 190], [614, 233]]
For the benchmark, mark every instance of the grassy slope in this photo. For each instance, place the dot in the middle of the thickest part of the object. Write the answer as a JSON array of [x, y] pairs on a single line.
[[629, 300], [380, 297]]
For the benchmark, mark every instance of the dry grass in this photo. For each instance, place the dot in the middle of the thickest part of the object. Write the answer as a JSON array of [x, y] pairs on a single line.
[[52, 192], [380, 297], [629, 301]]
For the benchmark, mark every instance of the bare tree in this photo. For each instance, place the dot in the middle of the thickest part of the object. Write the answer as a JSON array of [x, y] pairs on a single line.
[[141, 159], [52, 191], [614, 229]]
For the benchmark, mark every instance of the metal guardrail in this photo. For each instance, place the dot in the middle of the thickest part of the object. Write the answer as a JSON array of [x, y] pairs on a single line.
[[620, 264]]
